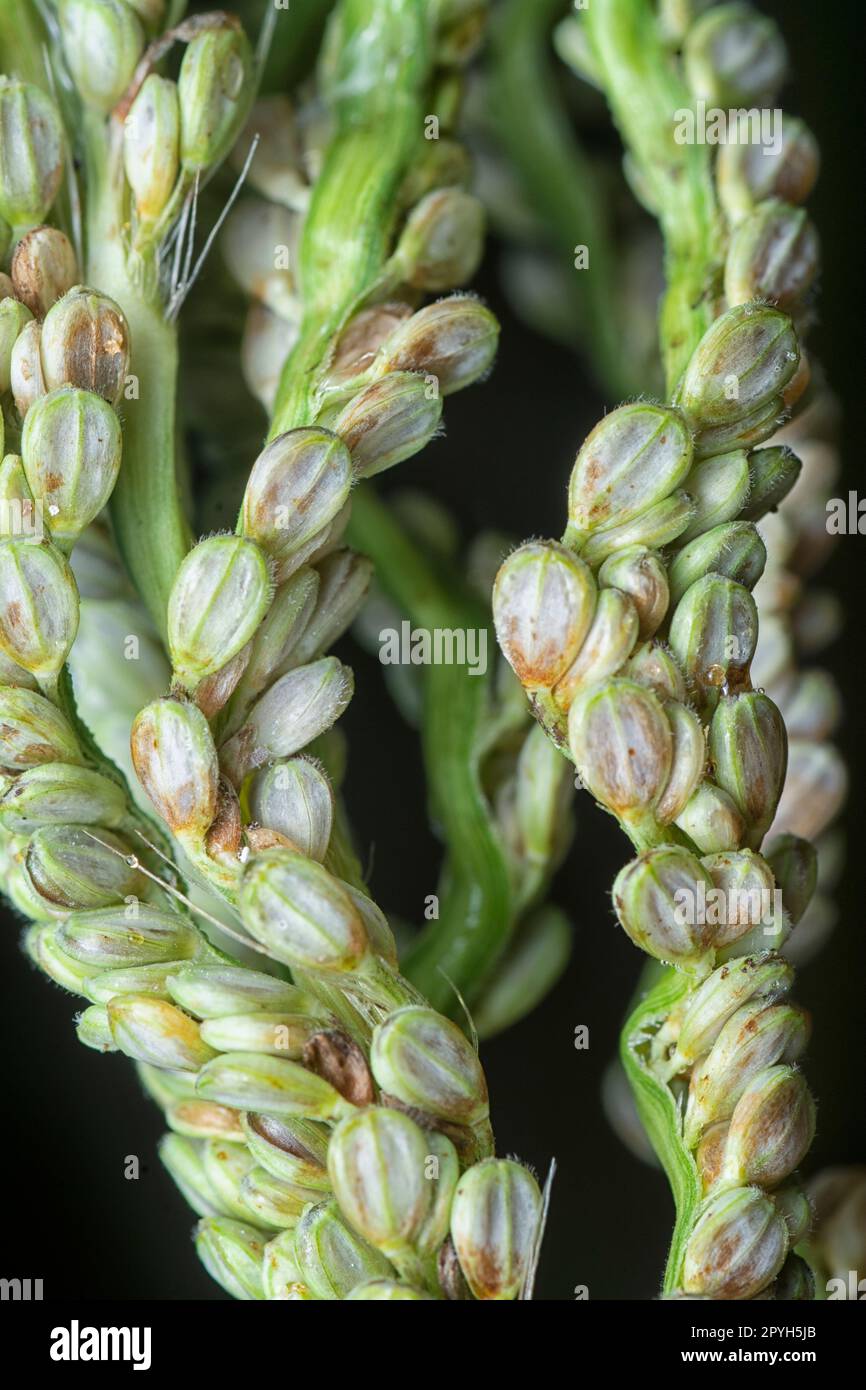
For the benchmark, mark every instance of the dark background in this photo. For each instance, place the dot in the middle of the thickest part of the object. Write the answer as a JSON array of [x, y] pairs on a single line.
[[72, 1116]]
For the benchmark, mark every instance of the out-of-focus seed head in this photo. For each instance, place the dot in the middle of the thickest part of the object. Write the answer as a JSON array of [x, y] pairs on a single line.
[[711, 820], [739, 369], [608, 644], [277, 169], [737, 1248], [13, 317], [735, 57], [151, 147], [794, 862], [154, 1031], [795, 1282], [771, 1129], [793, 1204], [389, 421], [453, 341], [441, 245], [757, 1036], [713, 635], [543, 603], [60, 794], [71, 869], [621, 742], [378, 1165], [33, 731], [295, 798], [332, 1258], [426, 1062], [260, 247], [231, 1252], [114, 938], [212, 87], [300, 912], [175, 760], [102, 43], [26, 375], [762, 977], [749, 171], [735, 551], [298, 708], [219, 596], [32, 153], [38, 606], [718, 488], [641, 574], [297, 486], [656, 897], [85, 342], [688, 763], [494, 1227], [71, 446], [772, 474], [43, 268], [815, 789], [839, 1236], [749, 753], [774, 254], [634, 458]]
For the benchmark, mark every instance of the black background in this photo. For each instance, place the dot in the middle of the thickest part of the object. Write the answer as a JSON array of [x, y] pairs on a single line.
[[71, 1117]]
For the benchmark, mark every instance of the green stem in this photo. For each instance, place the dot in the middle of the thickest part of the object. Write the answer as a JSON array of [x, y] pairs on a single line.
[[150, 527], [476, 909], [660, 1114], [560, 182], [645, 92], [347, 230]]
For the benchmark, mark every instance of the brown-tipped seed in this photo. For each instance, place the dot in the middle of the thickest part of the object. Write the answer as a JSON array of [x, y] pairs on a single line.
[[633, 459], [389, 421], [38, 606], [362, 337], [297, 486], [771, 1129], [85, 342], [641, 574], [298, 708], [621, 742], [774, 254], [219, 596], [453, 341], [543, 603], [494, 1226], [656, 897], [426, 1061], [175, 760], [71, 448], [737, 1248], [43, 268]]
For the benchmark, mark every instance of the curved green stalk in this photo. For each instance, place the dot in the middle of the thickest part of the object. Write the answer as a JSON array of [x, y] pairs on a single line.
[[659, 1111], [560, 181], [150, 527], [645, 93], [347, 229], [476, 909]]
